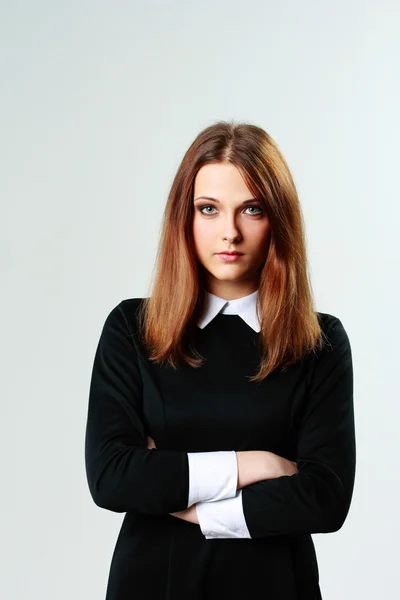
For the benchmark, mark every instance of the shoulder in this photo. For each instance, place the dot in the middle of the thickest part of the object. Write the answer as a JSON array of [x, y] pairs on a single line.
[[334, 335], [130, 306], [125, 314], [331, 325]]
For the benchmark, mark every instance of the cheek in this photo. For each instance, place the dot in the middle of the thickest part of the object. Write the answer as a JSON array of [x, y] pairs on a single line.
[[260, 238], [202, 232]]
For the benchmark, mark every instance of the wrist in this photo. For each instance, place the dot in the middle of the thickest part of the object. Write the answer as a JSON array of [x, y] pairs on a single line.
[[251, 467]]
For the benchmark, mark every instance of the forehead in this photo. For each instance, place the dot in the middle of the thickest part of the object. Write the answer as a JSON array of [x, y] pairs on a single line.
[[221, 181]]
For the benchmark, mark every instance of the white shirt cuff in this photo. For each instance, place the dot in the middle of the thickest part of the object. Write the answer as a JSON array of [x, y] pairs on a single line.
[[212, 476], [223, 519]]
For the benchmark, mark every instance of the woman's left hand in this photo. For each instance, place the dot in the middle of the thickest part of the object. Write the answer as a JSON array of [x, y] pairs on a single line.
[[150, 443]]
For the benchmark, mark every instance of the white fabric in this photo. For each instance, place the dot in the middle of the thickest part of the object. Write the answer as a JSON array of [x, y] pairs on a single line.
[[212, 476], [223, 519], [245, 307]]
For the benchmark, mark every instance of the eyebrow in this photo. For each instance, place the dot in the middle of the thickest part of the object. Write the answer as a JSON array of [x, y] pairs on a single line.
[[218, 202]]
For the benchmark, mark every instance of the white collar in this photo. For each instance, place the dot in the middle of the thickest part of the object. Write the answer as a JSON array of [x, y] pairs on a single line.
[[244, 307]]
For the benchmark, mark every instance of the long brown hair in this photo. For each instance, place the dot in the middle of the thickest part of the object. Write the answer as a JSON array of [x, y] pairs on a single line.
[[289, 324]]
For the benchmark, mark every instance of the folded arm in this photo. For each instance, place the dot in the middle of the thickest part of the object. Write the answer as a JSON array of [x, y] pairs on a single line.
[[318, 497], [122, 473]]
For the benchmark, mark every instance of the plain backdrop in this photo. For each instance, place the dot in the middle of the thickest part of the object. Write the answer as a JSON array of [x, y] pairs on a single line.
[[98, 103]]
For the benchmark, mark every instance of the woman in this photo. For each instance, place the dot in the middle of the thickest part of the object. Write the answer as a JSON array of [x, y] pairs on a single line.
[[220, 415]]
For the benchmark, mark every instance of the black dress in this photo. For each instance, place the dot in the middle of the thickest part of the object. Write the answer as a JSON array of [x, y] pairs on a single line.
[[304, 414]]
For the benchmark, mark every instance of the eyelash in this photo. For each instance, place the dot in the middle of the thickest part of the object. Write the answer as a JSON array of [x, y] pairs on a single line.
[[200, 208]]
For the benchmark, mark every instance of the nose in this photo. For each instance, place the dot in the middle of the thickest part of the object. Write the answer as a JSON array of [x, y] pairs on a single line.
[[230, 230]]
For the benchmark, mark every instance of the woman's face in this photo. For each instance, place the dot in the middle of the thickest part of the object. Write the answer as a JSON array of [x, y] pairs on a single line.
[[228, 223]]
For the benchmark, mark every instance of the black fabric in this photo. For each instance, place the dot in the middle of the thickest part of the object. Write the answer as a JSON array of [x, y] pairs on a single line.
[[304, 414]]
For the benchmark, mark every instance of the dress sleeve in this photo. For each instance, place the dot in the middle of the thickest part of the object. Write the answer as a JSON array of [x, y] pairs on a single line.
[[123, 474], [317, 498]]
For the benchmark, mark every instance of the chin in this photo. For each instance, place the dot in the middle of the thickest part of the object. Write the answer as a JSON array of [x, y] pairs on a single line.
[[227, 276]]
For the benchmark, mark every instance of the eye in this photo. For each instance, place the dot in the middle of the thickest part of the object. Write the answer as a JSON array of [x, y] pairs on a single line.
[[200, 208], [257, 207], [204, 206]]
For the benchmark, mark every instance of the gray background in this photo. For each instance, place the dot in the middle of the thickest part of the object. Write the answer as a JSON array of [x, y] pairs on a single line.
[[99, 102]]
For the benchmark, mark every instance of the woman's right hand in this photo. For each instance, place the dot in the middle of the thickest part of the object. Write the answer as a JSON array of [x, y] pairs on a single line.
[[257, 465]]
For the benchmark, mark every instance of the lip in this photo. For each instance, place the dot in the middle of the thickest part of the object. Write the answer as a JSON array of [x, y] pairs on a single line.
[[230, 256]]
